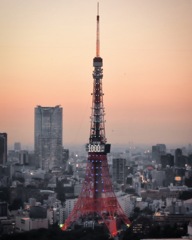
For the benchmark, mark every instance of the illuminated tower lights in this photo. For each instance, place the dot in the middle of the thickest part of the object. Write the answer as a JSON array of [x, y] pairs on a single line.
[[97, 200]]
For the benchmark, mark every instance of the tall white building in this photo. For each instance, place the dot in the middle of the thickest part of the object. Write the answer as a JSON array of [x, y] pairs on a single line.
[[61, 214], [48, 137], [69, 205], [126, 203]]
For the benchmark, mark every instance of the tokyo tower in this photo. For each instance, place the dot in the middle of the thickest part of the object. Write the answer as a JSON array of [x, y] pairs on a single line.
[[97, 201]]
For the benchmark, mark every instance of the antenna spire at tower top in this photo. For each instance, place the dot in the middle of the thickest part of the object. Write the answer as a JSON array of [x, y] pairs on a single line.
[[97, 40]]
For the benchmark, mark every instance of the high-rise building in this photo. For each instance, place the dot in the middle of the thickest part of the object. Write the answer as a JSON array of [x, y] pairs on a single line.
[[17, 146], [157, 151], [167, 160], [48, 137], [24, 157], [69, 205], [178, 155], [3, 148], [119, 170], [158, 178]]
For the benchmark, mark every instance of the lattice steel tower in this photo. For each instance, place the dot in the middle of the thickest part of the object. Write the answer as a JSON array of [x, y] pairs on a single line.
[[97, 201]]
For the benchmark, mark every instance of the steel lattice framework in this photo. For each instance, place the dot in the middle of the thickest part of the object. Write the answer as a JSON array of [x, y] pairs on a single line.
[[97, 200]]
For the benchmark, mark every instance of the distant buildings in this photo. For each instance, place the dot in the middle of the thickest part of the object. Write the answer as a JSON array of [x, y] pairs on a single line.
[[17, 146], [119, 170], [157, 151], [181, 160], [167, 160], [48, 137], [3, 148], [178, 155], [159, 178], [24, 157]]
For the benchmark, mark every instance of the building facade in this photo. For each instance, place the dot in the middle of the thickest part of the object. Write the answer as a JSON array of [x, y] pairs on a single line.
[[167, 160], [26, 223], [3, 148], [126, 203], [17, 146], [48, 137], [119, 170], [69, 205], [157, 151]]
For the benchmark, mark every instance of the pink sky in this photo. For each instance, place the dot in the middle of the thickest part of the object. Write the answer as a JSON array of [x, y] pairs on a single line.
[[46, 52]]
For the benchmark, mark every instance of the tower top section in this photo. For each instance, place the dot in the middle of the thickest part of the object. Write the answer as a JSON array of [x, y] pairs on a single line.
[[97, 139], [98, 40], [98, 61]]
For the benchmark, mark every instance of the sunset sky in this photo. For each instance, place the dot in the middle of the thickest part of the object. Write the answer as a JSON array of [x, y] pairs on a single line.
[[46, 52]]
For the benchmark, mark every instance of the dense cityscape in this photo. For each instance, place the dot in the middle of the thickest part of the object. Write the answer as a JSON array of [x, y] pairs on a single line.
[[153, 186], [98, 191]]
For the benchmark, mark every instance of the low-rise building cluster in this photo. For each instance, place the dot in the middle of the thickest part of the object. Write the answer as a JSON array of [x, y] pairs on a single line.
[[155, 183]]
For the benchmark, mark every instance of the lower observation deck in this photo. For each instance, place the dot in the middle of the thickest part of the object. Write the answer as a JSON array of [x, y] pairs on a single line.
[[98, 148]]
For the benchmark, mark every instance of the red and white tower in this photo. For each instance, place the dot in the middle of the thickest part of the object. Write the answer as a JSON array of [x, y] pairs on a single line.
[[97, 201]]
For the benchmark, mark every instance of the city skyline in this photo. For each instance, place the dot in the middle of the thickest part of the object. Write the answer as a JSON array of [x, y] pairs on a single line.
[[47, 50]]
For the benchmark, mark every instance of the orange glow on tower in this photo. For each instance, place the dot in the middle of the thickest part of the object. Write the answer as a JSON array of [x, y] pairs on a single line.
[[97, 201]]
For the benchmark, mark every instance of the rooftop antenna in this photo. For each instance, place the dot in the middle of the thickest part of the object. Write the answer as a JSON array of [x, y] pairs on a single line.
[[98, 40]]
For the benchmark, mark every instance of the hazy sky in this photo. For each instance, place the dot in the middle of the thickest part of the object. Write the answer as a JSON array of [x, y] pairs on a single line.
[[46, 52]]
